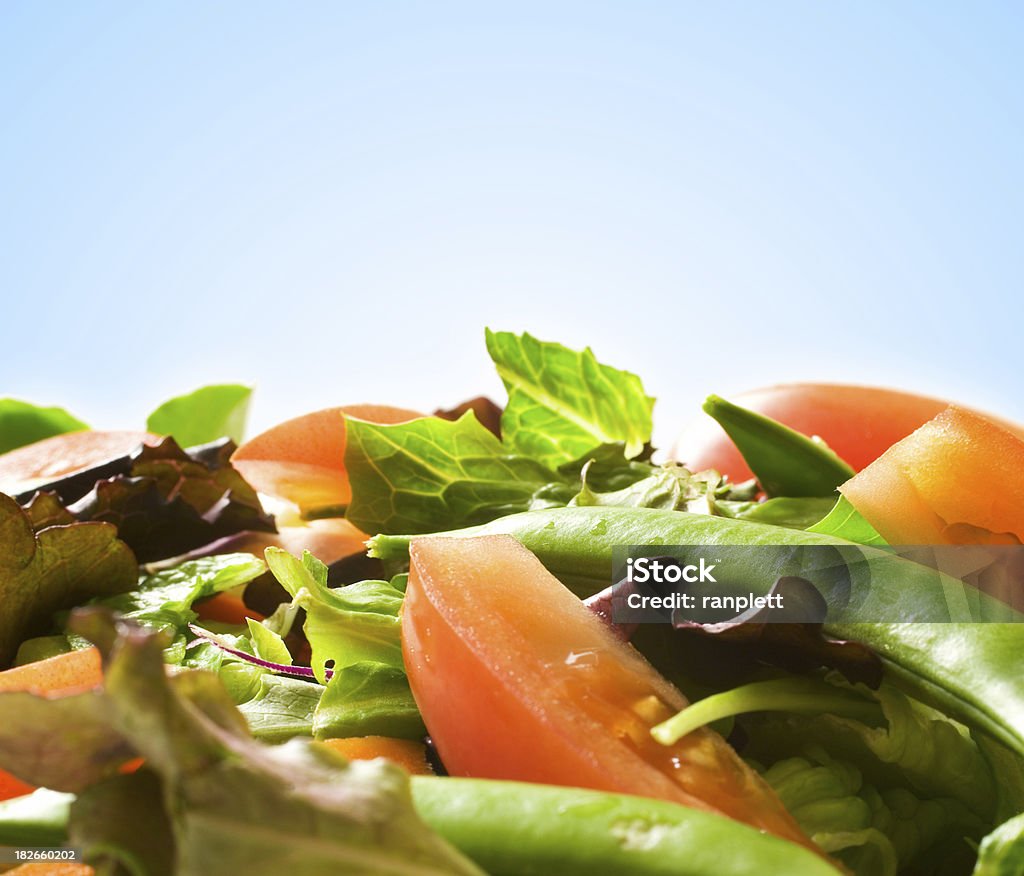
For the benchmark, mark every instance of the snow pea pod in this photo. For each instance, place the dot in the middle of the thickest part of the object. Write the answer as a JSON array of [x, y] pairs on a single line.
[[785, 462], [521, 829], [969, 670]]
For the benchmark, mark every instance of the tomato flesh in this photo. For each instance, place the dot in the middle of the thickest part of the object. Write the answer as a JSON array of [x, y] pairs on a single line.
[[959, 479], [517, 679]]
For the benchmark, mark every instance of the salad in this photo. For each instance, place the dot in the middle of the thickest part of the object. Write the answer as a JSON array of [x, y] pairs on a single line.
[[372, 641]]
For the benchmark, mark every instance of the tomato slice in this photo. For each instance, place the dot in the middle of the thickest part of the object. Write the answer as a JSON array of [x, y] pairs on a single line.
[[517, 679], [959, 479], [858, 422], [303, 459]]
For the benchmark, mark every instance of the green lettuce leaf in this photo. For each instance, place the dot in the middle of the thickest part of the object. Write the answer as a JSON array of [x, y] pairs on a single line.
[[268, 645], [163, 600], [431, 474], [846, 522], [249, 807], [563, 403], [344, 625], [874, 833], [368, 699], [205, 415], [283, 707], [23, 423], [56, 568], [914, 746], [670, 487]]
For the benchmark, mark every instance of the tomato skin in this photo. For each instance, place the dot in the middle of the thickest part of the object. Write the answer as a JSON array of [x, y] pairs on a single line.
[[858, 422], [517, 679]]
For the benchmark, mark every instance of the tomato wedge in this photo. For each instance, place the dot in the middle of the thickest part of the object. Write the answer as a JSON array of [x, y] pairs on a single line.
[[959, 479], [303, 459], [517, 679], [53, 458], [858, 422]]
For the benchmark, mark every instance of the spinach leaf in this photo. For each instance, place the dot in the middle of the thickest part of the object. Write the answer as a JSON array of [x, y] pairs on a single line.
[[846, 522], [431, 474], [785, 462], [793, 513], [24, 423], [205, 415], [563, 403]]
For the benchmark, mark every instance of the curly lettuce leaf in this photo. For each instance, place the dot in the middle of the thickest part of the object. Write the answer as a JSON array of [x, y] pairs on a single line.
[[563, 403], [913, 746], [344, 625], [57, 568], [430, 474], [368, 699], [204, 415], [176, 500], [874, 833], [252, 808], [163, 600], [24, 423]]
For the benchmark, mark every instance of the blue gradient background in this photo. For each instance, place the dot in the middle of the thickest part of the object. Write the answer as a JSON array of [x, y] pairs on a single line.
[[332, 200]]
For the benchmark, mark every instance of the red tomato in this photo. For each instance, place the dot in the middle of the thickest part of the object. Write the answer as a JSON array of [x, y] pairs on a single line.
[[858, 422], [517, 679]]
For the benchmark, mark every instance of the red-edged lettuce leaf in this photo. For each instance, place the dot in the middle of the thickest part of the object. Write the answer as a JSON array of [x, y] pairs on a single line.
[[164, 501], [252, 808], [56, 568]]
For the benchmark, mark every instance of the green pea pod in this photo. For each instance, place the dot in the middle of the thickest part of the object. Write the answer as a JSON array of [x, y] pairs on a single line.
[[968, 670], [519, 829], [785, 462]]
